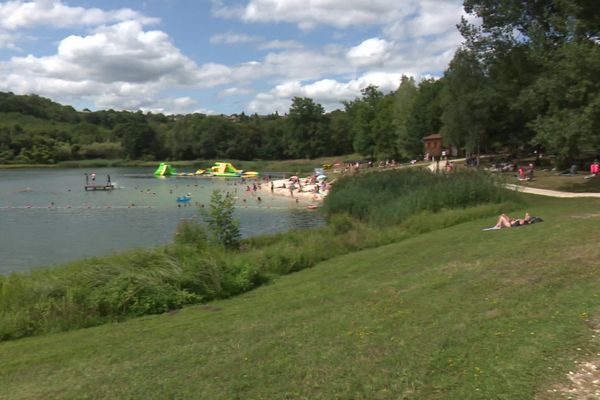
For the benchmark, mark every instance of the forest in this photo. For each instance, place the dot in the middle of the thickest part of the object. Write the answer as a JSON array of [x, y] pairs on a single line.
[[526, 78]]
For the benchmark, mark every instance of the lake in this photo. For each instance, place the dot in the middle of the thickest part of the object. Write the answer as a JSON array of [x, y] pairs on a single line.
[[47, 218]]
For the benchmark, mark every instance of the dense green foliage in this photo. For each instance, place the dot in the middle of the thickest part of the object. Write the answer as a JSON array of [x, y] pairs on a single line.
[[197, 269], [390, 197], [527, 77], [37, 130]]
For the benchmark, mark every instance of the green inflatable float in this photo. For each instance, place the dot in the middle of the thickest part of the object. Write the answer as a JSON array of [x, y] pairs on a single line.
[[165, 169]]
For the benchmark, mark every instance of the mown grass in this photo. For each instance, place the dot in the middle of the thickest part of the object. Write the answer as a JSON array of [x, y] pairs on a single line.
[[456, 313]]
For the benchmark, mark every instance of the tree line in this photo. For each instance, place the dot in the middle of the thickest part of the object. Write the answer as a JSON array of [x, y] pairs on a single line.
[[527, 77]]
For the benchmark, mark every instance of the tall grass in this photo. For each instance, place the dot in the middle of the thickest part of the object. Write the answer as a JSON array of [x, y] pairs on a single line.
[[390, 197], [192, 270]]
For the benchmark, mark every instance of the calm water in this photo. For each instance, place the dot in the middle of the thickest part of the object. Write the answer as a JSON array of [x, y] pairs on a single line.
[[46, 217]]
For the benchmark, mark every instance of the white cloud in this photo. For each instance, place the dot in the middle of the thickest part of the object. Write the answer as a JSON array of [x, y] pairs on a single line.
[[117, 53], [280, 44], [370, 52], [235, 91], [309, 13], [232, 38], [18, 14], [432, 17], [176, 105], [262, 44], [328, 92], [119, 66], [8, 40]]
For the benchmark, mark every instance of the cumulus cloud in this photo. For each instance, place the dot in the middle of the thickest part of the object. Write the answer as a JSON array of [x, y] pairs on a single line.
[[118, 66], [370, 52], [431, 17], [328, 92], [309, 13], [18, 14], [117, 53]]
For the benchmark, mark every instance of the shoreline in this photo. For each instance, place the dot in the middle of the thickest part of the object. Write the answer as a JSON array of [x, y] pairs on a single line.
[[307, 197]]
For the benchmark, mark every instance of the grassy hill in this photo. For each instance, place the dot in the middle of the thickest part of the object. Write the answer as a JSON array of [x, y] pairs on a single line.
[[456, 313]]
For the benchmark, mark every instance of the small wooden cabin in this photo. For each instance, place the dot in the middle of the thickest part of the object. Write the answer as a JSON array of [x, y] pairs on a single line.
[[433, 144]]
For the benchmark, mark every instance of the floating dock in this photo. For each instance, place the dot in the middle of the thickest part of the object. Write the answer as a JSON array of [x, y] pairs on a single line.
[[99, 187]]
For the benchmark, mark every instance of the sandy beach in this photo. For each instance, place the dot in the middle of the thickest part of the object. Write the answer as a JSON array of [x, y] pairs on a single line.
[[306, 196]]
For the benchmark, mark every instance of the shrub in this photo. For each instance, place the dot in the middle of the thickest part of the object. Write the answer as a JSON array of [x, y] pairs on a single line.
[[191, 232], [223, 228], [340, 223]]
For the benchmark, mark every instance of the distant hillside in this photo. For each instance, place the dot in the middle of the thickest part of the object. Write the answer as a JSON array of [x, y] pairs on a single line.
[[34, 129]]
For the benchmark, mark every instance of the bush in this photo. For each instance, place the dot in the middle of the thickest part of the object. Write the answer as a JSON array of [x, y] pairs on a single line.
[[223, 228], [191, 232]]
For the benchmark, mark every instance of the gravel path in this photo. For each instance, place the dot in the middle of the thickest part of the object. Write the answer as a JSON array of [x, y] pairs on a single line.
[[553, 193]]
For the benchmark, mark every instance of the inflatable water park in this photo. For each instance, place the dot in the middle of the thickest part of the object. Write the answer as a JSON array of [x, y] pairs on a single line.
[[219, 169]]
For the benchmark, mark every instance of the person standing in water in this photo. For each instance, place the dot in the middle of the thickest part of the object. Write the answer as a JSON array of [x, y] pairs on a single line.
[[108, 183]]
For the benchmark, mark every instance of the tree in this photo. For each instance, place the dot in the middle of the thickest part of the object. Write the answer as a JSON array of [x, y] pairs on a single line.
[[273, 146], [224, 230], [544, 55], [566, 97], [362, 114], [467, 101], [425, 116], [138, 139], [384, 130], [308, 136], [341, 133], [408, 143]]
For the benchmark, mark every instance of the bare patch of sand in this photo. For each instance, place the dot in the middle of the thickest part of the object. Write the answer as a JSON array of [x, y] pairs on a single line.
[[307, 195]]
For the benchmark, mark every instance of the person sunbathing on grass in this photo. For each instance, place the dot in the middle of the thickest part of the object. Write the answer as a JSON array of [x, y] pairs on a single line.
[[504, 221]]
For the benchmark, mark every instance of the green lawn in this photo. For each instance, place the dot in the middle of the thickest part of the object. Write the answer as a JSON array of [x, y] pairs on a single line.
[[453, 314]]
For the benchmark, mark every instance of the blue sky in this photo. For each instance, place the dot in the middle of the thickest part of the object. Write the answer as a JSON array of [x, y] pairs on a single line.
[[220, 56]]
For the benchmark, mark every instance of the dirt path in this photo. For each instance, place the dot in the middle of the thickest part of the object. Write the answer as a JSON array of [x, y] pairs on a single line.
[[546, 192]]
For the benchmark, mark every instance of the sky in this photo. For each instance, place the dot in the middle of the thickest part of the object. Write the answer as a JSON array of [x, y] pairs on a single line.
[[220, 56]]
